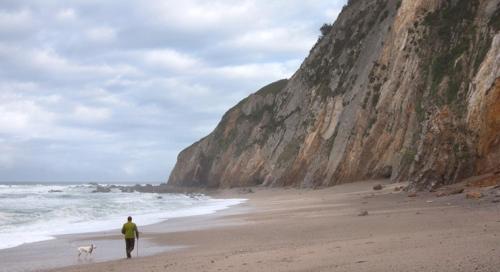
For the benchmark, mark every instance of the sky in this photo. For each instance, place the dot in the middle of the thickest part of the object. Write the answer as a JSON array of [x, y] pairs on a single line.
[[94, 90]]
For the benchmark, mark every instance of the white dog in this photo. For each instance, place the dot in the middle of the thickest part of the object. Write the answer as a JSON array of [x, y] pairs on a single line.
[[86, 249]]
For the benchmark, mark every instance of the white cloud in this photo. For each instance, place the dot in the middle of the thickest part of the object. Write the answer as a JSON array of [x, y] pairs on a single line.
[[273, 39], [91, 114], [101, 34], [129, 169], [48, 61], [332, 13], [25, 118], [102, 96], [196, 14], [273, 70], [15, 21], [66, 14], [22, 116], [8, 155], [17, 86], [171, 59]]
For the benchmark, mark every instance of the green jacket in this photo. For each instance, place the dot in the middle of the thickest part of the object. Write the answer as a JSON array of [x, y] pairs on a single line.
[[128, 229]]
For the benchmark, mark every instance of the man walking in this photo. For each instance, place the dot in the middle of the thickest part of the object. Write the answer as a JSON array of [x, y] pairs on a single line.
[[130, 231]]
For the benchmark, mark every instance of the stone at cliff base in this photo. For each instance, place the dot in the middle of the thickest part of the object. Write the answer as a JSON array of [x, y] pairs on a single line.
[[412, 195], [378, 187], [245, 191], [474, 195], [399, 188], [457, 191], [485, 182]]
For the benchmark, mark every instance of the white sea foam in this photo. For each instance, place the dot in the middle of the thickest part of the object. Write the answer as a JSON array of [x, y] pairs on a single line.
[[32, 213]]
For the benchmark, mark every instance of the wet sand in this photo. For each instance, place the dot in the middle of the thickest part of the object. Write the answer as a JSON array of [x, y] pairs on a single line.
[[320, 230]]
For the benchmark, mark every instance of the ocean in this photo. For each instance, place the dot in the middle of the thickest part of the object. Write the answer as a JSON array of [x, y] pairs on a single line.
[[38, 212]]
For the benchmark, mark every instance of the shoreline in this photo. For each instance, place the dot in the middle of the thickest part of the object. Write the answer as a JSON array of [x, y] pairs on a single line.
[[285, 229], [61, 251]]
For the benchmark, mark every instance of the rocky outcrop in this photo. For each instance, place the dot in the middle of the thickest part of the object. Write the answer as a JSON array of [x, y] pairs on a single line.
[[407, 90]]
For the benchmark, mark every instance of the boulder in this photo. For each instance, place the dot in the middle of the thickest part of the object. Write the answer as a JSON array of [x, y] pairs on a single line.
[[457, 191]]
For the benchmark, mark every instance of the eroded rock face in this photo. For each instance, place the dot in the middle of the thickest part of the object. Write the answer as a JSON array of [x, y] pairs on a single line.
[[402, 89]]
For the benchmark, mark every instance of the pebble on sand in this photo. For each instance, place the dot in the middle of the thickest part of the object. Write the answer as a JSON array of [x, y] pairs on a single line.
[[363, 213]]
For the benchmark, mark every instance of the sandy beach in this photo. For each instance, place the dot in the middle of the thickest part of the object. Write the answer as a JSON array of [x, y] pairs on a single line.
[[322, 230]]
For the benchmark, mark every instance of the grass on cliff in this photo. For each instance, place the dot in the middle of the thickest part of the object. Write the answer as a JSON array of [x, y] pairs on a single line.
[[453, 33], [273, 88]]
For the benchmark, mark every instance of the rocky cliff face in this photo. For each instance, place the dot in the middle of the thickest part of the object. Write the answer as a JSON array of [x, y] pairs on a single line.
[[407, 90]]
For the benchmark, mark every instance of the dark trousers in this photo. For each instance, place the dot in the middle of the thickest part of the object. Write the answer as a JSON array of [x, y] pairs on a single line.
[[129, 246]]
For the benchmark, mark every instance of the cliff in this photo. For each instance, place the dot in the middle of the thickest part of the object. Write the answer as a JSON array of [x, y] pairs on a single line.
[[407, 90]]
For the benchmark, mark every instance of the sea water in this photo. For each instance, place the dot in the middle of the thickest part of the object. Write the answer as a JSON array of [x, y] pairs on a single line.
[[37, 212]]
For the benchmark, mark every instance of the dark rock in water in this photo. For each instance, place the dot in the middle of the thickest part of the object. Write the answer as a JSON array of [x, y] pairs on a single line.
[[55, 191], [378, 187], [363, 213], [102, 189], [150, 188], [126, 189]]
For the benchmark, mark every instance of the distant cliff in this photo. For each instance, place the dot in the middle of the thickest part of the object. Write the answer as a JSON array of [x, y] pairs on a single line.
[[407, 90]]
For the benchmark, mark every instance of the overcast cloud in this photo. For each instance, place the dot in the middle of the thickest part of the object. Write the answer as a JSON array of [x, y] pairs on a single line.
[[113, 90]]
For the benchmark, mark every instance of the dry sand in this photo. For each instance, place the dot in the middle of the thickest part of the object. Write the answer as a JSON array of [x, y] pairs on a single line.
[[320, 230]]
